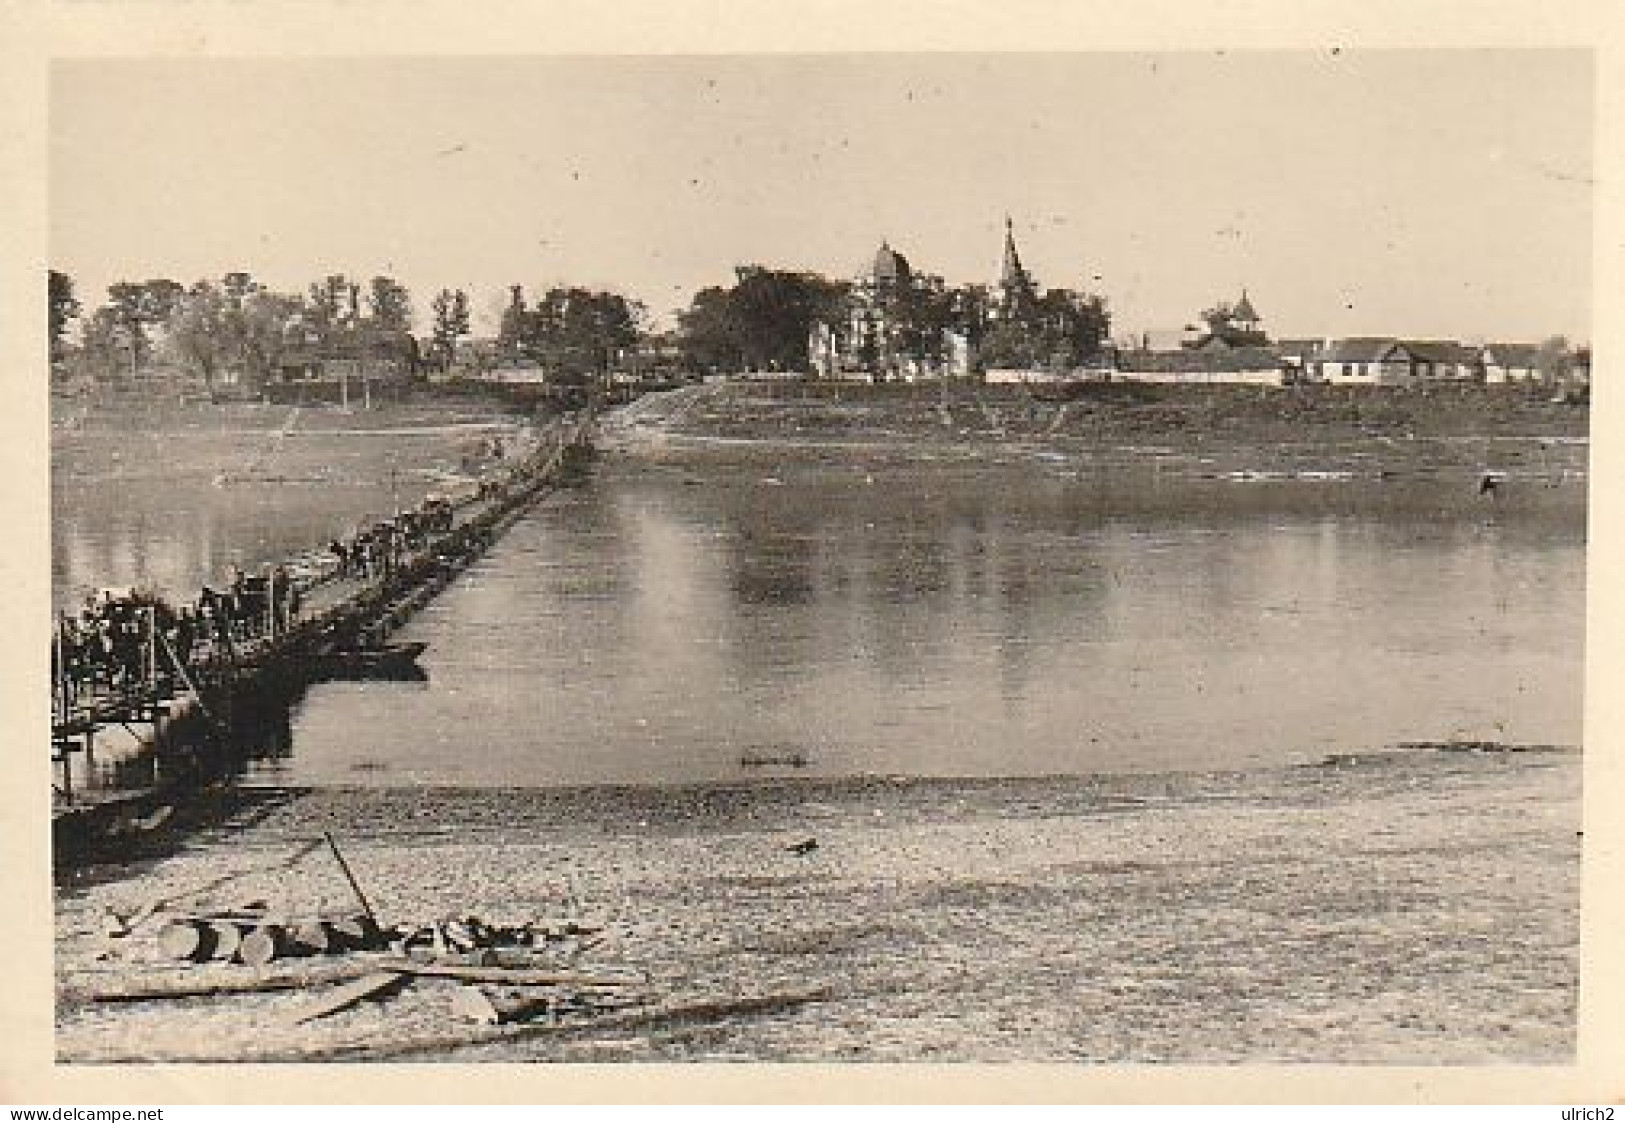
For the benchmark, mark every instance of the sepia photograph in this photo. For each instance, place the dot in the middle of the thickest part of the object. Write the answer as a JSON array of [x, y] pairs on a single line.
[[1070, 557]]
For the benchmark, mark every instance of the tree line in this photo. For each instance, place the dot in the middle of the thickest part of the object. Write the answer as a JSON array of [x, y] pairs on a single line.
[[237, 322], [763, 320]]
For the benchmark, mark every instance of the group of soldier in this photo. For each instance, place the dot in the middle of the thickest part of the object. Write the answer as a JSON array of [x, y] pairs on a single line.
[[123, 639], [377, 551]]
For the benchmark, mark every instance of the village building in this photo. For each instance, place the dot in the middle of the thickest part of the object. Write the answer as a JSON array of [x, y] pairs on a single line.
[[1514, 362], [867, 342], [1387, 361], [1298, 356], [1443, 360], [1238, 326], [1363, 361], [353, 359], [1236, 352], [1245, 318], [1578, 371]]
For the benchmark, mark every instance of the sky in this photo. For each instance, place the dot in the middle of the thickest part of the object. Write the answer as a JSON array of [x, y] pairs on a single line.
[[1424, 193]]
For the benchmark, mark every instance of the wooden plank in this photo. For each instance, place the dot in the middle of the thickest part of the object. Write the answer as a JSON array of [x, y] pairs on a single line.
[[213, 985], [345, 996], [670, 1013], [481, 1005], [471, 1004], [512, 976]]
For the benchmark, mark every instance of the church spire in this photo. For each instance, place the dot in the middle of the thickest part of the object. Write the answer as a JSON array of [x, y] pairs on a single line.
[[1012, 273], [1245, 312], [1015, 286]]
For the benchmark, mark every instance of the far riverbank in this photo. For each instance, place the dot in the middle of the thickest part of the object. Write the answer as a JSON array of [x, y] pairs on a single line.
[[1308, 431]]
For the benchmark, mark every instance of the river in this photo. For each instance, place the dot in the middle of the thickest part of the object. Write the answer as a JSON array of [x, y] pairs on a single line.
[[673, 625]]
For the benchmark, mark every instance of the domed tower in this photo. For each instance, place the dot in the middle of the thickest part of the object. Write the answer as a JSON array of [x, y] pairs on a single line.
[[871, 327], [891, 269]]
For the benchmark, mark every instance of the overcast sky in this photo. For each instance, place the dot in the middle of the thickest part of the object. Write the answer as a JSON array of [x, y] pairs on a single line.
[[1423, 193]]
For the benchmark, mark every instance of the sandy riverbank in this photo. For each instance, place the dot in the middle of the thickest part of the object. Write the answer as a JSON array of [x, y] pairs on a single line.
[[1419, 906]]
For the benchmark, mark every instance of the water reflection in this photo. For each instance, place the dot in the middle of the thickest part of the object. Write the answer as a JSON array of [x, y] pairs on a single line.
[[666, 625], [250, 737], [647, 629]]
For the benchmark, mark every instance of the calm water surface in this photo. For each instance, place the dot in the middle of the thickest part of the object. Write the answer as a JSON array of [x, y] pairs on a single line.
[[170, 508], [676, 625]]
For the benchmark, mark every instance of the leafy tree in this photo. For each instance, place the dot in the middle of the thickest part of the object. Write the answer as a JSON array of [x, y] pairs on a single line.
[[512, 329], [1011, 345], [110, 341], [390, 304], [972, 313], [1065, 329], [138, 306], [708, 332], [62, 307], [451, 321], [200, 331], [762, 321], [266, 327], [924, 312], [1073, 327], [325, 304], [581, 330], [776, 311], [235, 324], [869, 352]]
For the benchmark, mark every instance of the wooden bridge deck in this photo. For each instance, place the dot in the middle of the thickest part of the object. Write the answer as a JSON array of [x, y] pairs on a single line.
[[335, 612]]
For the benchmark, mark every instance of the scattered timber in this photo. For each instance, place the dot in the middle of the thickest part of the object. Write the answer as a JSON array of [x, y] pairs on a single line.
[[216, 985], [512, 976], [370, 985], [694, 1010], [488, 1007]]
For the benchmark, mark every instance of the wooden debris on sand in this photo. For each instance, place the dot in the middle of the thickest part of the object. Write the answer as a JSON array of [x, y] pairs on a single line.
[[215, 984], [675, 1012], [510, 975], [343, 997], [510, 962], [668, 1014], [490, 1006]]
